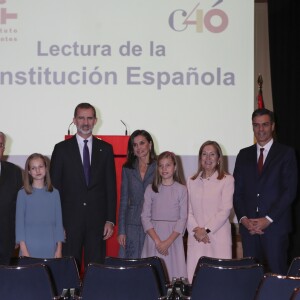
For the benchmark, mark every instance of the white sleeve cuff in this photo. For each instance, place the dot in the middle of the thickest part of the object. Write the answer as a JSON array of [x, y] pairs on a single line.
[[268, 218]]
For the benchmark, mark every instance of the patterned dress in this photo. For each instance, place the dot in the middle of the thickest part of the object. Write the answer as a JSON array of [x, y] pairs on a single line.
[[131, 203]]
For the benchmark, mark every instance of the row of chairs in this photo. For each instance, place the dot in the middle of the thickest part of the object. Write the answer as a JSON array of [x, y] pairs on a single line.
[[145, 278], [35, 278]]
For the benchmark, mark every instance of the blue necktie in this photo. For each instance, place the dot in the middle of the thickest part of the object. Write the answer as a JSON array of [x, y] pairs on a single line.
[[86, 162]]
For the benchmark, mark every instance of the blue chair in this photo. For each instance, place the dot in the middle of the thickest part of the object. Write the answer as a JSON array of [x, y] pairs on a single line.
[[227, 283], [63, 271], [234, 262], [155, 261], [31, 282], [120, 283], [277, 287]]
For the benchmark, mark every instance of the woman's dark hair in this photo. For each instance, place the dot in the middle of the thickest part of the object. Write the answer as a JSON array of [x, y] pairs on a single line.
[[131, 158]]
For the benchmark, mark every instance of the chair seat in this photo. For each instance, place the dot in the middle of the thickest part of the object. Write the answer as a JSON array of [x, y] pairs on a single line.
[[63, 271], [155, 261], [26, 283], [277, 287], [227, 283], [119, 283]]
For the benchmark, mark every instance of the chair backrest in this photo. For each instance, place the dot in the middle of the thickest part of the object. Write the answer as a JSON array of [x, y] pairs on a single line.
[[27, 283], [234, 262], [294, 267], [226, 283], [155, 261], [277, 287], [63, 271], [296, 294], [119, 283]]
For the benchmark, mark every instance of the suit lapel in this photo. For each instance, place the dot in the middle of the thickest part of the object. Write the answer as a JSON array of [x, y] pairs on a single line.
[[253, 159], [2, 175], [4, 172], [137, 174], [96, 155], [270, 157], [149, 171]]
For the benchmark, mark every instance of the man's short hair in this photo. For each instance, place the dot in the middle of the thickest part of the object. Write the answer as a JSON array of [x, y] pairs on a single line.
[[84, 105], [262, 112]]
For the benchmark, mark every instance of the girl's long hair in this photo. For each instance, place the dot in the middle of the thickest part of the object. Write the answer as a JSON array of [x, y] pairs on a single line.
[[28, 180], [157, 178]]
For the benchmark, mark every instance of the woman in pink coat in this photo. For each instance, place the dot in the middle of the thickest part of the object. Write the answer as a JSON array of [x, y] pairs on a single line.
[[210, 193]]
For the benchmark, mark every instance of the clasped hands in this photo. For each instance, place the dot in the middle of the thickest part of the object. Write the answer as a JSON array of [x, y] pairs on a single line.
[[162, 247], [201, 235], [255, 226]]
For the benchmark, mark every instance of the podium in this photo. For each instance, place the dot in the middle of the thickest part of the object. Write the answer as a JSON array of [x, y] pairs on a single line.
[[119, 144]]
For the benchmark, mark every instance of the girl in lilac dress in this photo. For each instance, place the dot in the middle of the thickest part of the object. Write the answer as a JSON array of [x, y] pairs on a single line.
[[164, 216]]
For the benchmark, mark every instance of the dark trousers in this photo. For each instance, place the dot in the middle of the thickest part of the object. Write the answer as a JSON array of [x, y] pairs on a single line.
[[269, 249]]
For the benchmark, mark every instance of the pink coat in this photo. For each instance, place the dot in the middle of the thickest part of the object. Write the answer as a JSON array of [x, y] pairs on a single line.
[[210, 204]]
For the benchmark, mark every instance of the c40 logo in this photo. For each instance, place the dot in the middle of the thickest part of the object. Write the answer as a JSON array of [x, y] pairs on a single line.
[[215, 20]]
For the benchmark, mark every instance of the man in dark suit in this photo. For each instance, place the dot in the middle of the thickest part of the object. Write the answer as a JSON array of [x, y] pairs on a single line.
[[88, 203], [10, 183], [265, 187]]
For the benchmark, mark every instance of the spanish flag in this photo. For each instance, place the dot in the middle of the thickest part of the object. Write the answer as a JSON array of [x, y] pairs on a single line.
[[260, 100]]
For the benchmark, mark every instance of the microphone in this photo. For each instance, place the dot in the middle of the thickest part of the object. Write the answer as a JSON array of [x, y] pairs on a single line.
[[69, 128], [125, 127]]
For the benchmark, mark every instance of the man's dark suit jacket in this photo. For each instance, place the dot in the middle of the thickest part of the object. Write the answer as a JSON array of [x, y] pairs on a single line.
[[269, 194], [85, 206], [10, 183], [272, 192]]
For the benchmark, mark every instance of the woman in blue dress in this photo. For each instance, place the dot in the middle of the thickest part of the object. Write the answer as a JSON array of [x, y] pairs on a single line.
[[137, 174], [39, 229]]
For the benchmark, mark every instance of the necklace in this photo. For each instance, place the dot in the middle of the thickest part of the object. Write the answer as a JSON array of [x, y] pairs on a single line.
[[143, 169], [205, 176]]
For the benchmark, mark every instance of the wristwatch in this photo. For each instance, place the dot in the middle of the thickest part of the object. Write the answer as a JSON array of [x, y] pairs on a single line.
[[207, 230]]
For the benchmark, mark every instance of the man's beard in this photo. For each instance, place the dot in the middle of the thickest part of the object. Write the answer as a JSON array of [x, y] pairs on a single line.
[[85, 132]]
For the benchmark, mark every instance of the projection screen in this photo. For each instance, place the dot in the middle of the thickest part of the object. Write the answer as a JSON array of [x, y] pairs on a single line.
[[182, 70]]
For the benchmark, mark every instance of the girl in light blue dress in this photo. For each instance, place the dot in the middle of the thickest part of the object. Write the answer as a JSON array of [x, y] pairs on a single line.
[[39, 229]]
